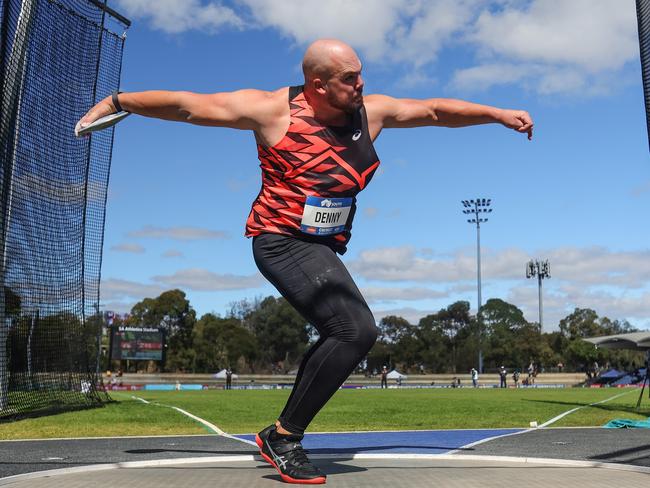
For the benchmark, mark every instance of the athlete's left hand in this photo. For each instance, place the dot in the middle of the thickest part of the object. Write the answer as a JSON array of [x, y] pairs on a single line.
[[518, 120]]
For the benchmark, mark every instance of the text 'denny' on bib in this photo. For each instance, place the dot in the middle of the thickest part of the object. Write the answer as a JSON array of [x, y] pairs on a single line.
[[325, 216]]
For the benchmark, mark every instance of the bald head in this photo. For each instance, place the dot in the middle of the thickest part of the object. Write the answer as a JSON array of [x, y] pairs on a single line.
[[325, 57], [333, 83]]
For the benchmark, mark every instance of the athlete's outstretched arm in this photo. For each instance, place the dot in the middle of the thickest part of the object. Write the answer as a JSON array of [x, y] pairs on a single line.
[[243, 109], [388, 112]]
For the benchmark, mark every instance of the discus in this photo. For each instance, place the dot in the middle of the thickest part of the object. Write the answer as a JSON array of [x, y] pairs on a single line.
[[102, 123]]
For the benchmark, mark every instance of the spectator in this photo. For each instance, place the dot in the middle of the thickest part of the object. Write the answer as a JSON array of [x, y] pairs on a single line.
[[560, 367], [384, 377], [515, 378], [502, 377], [474, 374], [531, 373], [228, 379]]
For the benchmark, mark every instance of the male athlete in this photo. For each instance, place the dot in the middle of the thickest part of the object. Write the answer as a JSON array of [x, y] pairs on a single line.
[[315, 145]]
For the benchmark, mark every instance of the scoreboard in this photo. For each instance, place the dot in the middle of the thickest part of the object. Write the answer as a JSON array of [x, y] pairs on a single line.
[[142, 343]]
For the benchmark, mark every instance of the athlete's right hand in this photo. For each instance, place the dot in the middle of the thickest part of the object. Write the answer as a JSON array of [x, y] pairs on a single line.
[[102, 109], [518, 120]]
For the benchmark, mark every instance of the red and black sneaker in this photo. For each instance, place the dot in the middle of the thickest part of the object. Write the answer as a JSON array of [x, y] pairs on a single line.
[[285, 453]]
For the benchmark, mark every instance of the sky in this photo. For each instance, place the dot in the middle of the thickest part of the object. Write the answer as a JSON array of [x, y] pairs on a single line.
[[577, 195]]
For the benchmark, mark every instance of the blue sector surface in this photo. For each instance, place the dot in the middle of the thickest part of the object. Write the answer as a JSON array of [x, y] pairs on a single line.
[[406, 442]]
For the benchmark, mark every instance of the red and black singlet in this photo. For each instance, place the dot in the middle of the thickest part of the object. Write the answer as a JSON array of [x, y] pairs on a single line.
[[312, 160]]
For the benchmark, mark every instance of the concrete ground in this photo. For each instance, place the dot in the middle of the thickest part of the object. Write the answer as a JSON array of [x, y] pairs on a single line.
[[591, 457]]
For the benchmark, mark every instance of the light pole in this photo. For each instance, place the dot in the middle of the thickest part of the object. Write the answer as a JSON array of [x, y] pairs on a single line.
[[476, 207], [541, 269]]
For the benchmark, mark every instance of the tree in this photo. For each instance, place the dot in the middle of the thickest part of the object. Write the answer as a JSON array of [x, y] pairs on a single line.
[[583, 322], [456, 327], [281, 331], [501, 314], [171, 312], [220, 343], [433, 351], [509, 336], [393, 328]]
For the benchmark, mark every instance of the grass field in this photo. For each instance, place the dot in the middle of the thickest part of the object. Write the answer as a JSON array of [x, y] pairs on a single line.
[[246, 411]]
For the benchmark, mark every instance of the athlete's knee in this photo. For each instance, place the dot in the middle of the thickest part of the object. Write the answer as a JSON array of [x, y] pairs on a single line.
[[365, 333], [369, 336]]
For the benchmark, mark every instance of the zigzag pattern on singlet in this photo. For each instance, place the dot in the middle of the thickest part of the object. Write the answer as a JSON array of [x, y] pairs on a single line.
[[309, 160]]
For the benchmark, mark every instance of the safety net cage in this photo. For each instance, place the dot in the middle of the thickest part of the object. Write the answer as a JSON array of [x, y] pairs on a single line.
[[643, 18], [57, 59]]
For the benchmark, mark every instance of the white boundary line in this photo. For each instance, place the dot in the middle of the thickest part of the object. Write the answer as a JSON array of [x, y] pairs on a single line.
[[249, 458], [543, 426], [555, 419], [204, 422]]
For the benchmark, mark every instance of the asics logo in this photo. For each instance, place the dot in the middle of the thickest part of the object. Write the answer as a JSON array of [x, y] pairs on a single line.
[[279, 460], [357, 135]]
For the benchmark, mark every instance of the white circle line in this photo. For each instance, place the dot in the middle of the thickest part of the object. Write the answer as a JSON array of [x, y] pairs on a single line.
[[247, 458]]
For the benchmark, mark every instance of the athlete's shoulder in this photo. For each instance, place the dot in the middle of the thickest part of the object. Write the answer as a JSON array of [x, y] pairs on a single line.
[[379, 108], [380, 105], [264, 97], [261, 106]]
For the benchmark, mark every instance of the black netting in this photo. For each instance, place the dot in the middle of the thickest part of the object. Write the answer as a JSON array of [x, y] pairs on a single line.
[[57, 59], [643, 17]]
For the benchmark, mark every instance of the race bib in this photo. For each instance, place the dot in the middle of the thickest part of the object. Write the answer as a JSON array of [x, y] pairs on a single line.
[[325, 216]]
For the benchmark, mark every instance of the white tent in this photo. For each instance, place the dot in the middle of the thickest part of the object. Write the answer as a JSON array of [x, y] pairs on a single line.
[[639, 341], [396, 375], [221, 375]]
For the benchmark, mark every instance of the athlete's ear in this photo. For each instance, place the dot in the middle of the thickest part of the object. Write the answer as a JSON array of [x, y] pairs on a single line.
[[319, 86]]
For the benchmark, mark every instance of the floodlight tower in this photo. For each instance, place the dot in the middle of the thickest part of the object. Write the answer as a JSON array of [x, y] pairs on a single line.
[[541, 269], [477, 207]]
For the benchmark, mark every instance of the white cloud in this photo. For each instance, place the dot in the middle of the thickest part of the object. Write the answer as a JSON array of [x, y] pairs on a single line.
[[117, 306], [552, 46], [306, 20], [172, 253], [412, 315], [173, 16], [614, 283], [203, 280], [178, 233], [588, 266], [595, 35], [617, 305], [410, 31], [561, 301], [595, 266], [131, 248], [370, 212], [408, 264], [374, 294], [487, 75], [117, 290]]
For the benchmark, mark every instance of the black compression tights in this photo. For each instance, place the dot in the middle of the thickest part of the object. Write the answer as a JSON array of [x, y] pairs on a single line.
[[316, 283]]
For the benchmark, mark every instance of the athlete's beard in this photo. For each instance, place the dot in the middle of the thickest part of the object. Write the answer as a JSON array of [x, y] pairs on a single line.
[[349, 108]]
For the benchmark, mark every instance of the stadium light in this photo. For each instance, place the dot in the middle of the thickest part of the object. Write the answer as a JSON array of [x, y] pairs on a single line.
[[541, 269], [476, 207]]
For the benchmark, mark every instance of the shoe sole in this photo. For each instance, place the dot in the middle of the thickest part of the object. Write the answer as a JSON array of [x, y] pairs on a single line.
[[287, 479]]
